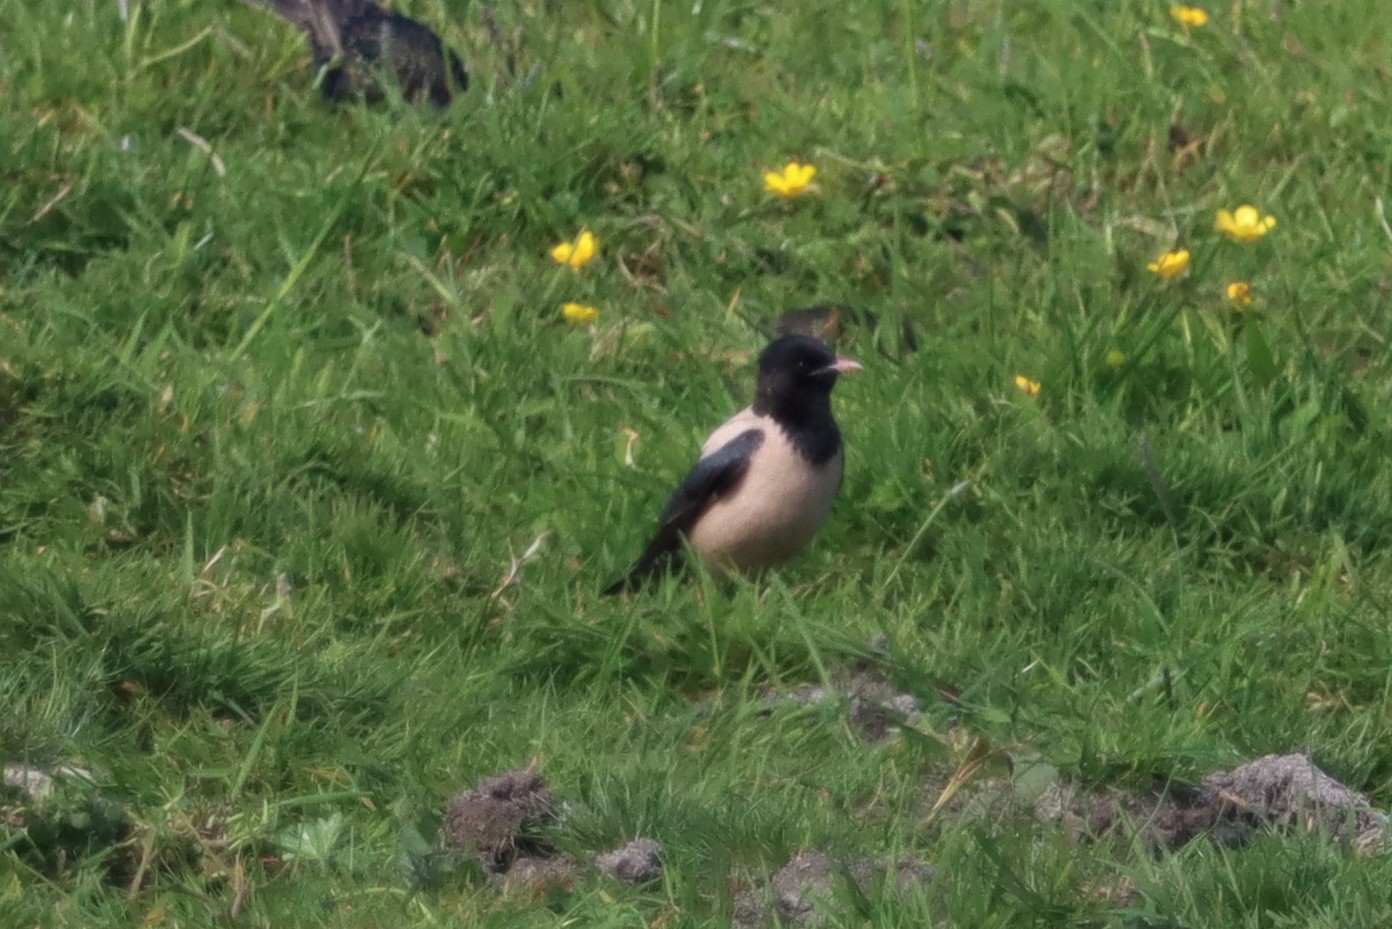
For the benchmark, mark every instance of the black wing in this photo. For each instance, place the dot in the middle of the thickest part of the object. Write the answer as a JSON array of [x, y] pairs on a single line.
[[714, 476]]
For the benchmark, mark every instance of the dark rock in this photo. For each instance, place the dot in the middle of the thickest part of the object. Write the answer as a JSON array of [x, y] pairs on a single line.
[[638, 862]]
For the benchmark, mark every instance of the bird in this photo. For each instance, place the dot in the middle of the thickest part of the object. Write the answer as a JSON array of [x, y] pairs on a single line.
[[355, 41], [766, 478], [830, 321]]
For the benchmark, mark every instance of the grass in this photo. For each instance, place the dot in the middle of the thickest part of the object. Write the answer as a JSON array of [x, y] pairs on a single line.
[[274, 426]]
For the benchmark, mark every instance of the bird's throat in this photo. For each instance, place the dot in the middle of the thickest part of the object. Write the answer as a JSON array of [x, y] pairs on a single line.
[[807, 422]]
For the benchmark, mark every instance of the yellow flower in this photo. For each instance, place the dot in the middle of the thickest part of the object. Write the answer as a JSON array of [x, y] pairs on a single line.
[[576, 254], [1028, 386], [792, 182], [1116, 358], [579, 313], [1189, 16], [1244, 224], [1170, 264], [1240, 295]]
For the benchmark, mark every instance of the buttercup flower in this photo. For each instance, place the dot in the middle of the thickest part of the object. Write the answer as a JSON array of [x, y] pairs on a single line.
[[1116, 358], [1191, 17], [576, 254], [579, 313], [792, 181], [1170, 264], [1244, 224], [1240, 295], [1028, 386]]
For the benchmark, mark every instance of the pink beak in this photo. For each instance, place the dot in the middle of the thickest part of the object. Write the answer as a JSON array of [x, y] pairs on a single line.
[[845, 366]]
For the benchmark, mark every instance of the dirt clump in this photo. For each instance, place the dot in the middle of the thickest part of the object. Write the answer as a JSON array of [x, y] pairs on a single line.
[[874, 709], [1289, 790], [499, 820], [807, 890], [1162, 817], [1228, 806], [539, 876], [60, 815], [810, 878], [637, 862], [506, 823]]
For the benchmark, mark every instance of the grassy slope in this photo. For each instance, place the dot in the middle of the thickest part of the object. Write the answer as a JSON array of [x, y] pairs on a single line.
[[252, 519]]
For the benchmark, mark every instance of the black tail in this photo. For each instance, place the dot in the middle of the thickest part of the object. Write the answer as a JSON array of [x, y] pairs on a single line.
[[659, 559], [638, 576], [619, 586]]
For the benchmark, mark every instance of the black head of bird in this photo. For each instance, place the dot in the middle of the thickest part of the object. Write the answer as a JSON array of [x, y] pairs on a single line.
[[796, 375]]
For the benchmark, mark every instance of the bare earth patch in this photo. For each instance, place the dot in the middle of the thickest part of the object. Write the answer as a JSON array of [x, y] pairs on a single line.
[[804, 892], [502, 820], [874, 708], [1276, 790], [637, 862], [499, 819]]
